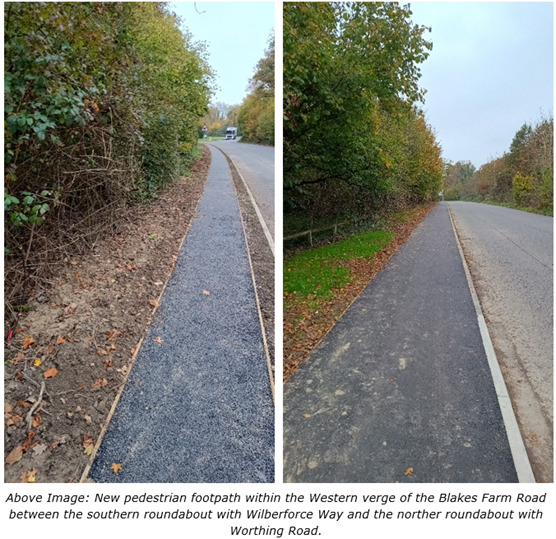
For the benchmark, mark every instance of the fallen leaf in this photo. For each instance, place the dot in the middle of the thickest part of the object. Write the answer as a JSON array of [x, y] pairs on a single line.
[[409, 471], [88, 449], [37, 362], [29, 439], [60, 340], [24, 404], [206, 292], [51, 349], [27, 342], [101, 352], [113, 334], [8, 408], [37, 420], [88, 419], [116, 467], [15, 455], [100, 382], [154, 303], [39, 449], [51, 373], [32, 476], [108, 363], [159, 340], [306, 415], [71, 308]]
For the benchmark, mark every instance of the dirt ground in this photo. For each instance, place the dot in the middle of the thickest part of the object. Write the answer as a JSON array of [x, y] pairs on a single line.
[[69, 355], [305, 326]]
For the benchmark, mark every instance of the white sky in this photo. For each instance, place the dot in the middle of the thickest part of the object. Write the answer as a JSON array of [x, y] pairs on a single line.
[[490, 71], [236, 34]]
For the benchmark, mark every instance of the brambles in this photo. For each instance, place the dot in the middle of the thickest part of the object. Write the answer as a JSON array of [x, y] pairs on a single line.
[[102, 102]]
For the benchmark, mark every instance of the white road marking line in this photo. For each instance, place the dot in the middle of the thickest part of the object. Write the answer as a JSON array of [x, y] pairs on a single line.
[[517, 447]]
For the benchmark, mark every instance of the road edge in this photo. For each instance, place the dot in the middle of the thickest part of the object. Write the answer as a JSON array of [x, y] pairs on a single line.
[[517, 447]]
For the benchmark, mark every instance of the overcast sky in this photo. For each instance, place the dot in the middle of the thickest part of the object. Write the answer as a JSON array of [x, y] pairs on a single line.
[[490, 71], [236, 34]]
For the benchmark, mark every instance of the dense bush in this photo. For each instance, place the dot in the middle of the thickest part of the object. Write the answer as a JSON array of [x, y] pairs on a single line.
[[102, 103]]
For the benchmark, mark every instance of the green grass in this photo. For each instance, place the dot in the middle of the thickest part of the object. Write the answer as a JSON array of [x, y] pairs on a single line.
[[545, 211], [317, 273], [210, 139]]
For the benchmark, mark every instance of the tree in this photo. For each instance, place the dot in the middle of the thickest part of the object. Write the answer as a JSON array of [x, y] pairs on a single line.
[[256, 114], [350, 94]]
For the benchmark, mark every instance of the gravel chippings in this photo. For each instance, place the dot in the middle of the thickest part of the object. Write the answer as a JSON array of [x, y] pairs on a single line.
[[197, 406]]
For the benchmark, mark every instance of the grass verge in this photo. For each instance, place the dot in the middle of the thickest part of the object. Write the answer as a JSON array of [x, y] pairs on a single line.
[[546, 211]]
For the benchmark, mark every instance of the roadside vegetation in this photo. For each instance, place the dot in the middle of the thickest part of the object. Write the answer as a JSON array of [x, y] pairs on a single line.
[[356, 143], [256, 114], [522, 178], [101, 106]]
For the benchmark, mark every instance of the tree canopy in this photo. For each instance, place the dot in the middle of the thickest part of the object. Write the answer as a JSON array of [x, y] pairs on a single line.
[[351, 72]]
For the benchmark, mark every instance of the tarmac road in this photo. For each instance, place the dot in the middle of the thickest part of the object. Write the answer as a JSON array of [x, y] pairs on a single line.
[[256, 164], [510, 256]]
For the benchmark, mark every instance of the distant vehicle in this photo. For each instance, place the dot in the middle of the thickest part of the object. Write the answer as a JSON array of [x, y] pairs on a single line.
[[231, 133]]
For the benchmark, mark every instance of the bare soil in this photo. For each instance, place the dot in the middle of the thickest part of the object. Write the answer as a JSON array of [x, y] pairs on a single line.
[[70, 354], [306, 324]]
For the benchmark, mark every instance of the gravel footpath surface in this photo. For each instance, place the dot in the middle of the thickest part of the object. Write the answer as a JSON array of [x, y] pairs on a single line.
[[510, 256], [256, 163], [197, 406], [400, 390]]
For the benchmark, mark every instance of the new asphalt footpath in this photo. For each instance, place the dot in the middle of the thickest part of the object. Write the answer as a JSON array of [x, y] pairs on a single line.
[[197, 406], [400, 389]]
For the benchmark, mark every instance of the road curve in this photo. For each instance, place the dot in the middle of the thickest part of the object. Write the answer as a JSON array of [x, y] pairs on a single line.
[[510, 255], [256, 164]]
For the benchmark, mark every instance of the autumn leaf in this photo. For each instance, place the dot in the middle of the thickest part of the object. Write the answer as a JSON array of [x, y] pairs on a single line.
[[159, 340], [306, 415], [51, 373], [31, 476], [88, 449], [206, 292], [409, 471], [60, 340], [154, 303], [37, 362], [113, 334], [101, 352], [100, 382], [51, 349], [116, 467], [15, 455], [27, 342], [37, 420], [71, 308], [39, 449], [108, 363]]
